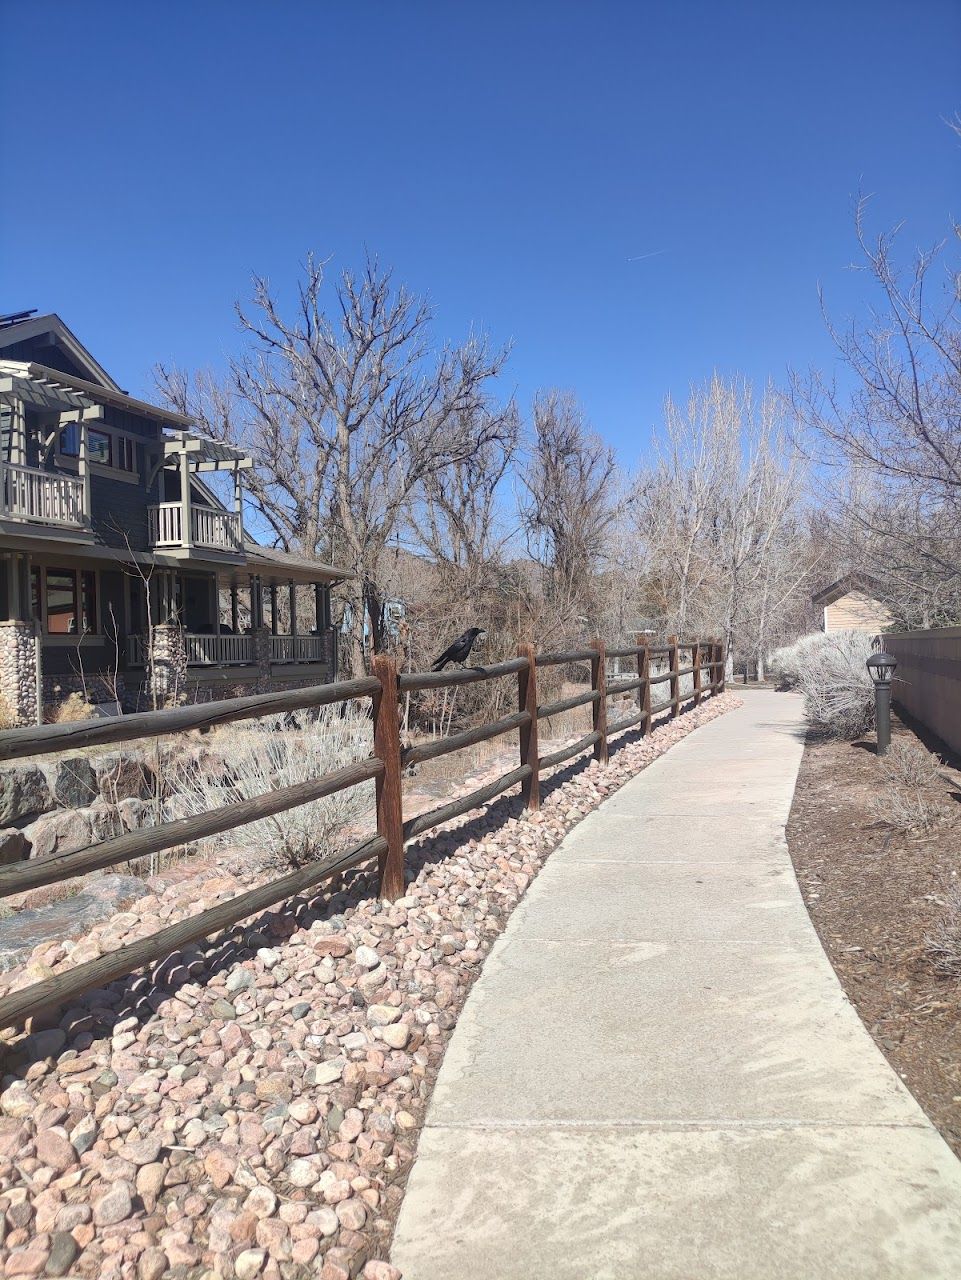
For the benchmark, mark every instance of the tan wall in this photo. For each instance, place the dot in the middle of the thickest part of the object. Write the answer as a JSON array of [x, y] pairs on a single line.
[[856, 612], [927, 683]]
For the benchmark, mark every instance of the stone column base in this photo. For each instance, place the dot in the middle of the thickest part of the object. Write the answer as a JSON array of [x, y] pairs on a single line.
[[167, 667], [20, 674]]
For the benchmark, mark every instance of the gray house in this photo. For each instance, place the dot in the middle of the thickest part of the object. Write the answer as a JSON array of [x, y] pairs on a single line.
[[125, 569]]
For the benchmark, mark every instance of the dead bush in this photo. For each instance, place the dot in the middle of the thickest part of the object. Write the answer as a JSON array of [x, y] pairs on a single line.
[[910, 800], [832, 675], [943, 944], [74, 707]]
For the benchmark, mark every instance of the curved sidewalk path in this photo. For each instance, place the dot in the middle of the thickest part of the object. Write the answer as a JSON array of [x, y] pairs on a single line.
[[658, 1075]]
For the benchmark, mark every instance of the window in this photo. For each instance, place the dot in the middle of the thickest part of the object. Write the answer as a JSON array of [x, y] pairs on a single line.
[[36, 595], [61, 602], [126, 454], [100, 447], [103, 449], [71, 601], [70, 440]]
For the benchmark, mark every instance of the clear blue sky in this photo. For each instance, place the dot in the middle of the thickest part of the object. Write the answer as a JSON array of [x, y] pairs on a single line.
[[506, 158]]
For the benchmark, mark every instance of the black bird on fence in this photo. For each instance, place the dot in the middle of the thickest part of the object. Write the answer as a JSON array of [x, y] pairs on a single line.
[[459, 651]]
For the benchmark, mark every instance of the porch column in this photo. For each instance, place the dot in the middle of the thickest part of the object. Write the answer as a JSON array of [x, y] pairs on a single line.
[[292, 593], [167, 671], [239, 503], [186, 533], [21, 674], [273, 608], [318, 607], [256, 603], [83, 466], [234, 609]]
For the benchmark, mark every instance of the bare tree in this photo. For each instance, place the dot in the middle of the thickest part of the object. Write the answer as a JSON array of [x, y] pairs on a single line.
[[722, 513], [346, 407], [571, 498], [894, 442]]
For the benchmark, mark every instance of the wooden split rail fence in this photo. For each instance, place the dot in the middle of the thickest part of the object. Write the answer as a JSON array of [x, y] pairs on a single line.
[[385, 767]]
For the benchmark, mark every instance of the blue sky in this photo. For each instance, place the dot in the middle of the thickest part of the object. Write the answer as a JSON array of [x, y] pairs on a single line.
[[507, 158]]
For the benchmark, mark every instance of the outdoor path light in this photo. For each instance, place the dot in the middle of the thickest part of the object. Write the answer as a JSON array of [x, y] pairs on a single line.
[[881, 667]]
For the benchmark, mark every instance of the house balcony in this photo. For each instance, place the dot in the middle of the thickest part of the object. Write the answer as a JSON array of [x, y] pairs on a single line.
[[209, 528], [42, 497]]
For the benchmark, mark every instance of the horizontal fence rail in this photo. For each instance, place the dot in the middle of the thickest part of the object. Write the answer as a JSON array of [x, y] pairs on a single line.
[[384, 767]]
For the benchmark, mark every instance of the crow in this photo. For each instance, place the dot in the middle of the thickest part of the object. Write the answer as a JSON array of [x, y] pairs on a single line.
[[459, 651]]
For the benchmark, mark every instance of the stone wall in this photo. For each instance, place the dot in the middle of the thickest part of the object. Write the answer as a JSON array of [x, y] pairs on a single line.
[[18, 670]]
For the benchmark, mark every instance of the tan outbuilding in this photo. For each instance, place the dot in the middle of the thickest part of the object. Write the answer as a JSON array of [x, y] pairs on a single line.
[[850, 605]]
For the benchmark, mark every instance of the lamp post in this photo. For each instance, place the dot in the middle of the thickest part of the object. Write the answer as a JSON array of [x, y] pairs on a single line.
[[881, 667]]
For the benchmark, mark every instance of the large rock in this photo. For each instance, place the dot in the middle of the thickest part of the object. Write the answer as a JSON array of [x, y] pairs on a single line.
[[14, 846], [60, 832], [123, 775], [72, 781], [24, 792]]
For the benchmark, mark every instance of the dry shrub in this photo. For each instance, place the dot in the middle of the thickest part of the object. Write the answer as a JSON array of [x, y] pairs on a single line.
[[74, 707], [258, 756], [785, 664], [833, 677], [913, 789], [943, 944]]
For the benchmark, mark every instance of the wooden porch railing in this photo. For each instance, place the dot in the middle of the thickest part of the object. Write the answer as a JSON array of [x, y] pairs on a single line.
[[47, 497], [284, 649], [220, 530], [384, 687]]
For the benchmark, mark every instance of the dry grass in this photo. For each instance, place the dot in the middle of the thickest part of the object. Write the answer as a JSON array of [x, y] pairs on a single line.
[[912, 794], [943, 944], [74, 707]]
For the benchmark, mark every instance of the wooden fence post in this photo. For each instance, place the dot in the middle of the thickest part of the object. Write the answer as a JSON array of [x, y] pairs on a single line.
[[390, 818], [696, 663], [599, 685], [675, 685], [722, 664], [644, 693], [527, 701]]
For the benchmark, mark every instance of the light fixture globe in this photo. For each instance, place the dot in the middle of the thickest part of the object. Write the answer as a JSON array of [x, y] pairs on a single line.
[[881, 667]]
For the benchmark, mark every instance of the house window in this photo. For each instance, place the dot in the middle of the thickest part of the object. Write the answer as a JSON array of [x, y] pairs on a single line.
[[71, 601], [61, 602], [70, 440], [100, 447], [36, 595], [126, 454]]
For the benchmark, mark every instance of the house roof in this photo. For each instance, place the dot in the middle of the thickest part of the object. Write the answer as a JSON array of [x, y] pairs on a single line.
[[854, 581], [302, 568], [52, 328], [70, 388]]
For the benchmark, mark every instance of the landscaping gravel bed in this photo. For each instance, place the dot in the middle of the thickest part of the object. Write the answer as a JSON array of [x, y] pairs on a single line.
[[252, 1107]]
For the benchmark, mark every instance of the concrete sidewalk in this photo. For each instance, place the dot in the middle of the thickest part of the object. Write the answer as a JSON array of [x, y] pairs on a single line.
[[657, 1074]]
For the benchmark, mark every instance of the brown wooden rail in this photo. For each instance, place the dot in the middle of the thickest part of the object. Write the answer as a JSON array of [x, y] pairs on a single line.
[[384, 767]]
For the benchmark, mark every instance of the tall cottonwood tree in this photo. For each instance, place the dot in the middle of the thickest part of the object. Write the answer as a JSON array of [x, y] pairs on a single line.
[[894, 441], [722, 513], [569, 502], [347, 406]]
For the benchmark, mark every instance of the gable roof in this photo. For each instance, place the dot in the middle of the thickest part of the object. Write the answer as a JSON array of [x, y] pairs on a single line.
[[55, 332], [854, 581]]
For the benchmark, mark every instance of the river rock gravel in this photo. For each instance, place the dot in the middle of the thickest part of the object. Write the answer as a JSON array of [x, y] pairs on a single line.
[[251, 1107]]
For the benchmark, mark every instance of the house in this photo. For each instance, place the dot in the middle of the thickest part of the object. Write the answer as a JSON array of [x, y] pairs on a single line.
[[851, 605], [125, 567]]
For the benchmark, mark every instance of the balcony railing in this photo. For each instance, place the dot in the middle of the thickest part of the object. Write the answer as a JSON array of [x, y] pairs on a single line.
[[220, 530], [300, 648], [47, 497]]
